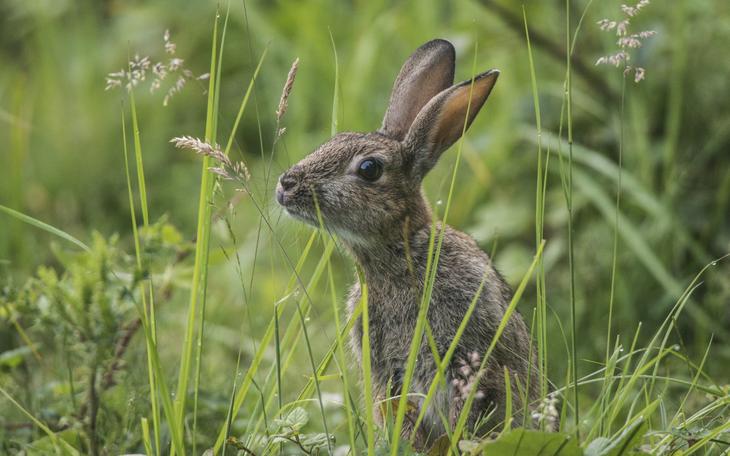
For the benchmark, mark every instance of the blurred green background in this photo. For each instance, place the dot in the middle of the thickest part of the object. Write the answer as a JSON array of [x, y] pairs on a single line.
[[62, 162]]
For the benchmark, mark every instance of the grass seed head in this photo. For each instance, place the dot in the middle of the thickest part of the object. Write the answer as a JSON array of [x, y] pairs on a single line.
[[227, 168], [139, 67], [284, 100], [626, 40]]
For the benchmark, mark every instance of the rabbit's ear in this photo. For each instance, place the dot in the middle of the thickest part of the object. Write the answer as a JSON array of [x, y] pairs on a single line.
[[426, 73], [444, 119]]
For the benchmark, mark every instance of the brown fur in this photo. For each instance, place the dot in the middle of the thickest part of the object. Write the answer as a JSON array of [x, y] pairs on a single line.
[[386, 226]]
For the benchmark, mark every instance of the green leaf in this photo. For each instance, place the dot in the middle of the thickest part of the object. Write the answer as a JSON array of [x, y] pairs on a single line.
[[13, 358], [442, 445], [171, 235], [294, 420], [466, 446], [623, 444], [313, 441], [597, 446], [47, 445], [522, 442], [279, 438]]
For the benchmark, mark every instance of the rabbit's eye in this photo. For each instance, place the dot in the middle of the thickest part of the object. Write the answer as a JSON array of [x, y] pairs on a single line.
[[370, 169]]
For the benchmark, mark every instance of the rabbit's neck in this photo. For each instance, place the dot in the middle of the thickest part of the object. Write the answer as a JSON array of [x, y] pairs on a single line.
[[399, 252], [395, 259]]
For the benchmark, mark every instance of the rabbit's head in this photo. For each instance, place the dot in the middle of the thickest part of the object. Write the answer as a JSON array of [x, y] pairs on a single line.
[[367, 186]]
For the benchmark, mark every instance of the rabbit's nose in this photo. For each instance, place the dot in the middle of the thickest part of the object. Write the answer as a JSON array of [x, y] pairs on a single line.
[[287, 181]]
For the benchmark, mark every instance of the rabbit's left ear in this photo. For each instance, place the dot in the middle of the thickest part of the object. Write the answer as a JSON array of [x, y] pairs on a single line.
[[426, 73], [445, 118]]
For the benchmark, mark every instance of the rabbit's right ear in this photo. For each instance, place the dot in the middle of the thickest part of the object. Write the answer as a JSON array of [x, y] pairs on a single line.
[[426, 73], [445, 119]]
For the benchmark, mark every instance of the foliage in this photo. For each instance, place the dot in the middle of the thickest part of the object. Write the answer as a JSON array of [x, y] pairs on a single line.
[[161, 340], [287, 430], [79, 318]]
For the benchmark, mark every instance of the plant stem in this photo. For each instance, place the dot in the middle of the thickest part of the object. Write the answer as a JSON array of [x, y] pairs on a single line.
[[571, 257]]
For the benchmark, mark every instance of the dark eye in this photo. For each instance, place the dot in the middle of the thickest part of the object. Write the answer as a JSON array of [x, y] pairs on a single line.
[[370, 169]]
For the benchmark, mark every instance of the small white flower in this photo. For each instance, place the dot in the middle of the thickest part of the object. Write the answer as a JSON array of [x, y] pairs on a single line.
[[170, 47], [606, 24], [628, 10], [639, 74], [546, 413], [159, 70], [622, 27], [629, 41], [112, 83], [175, 64]]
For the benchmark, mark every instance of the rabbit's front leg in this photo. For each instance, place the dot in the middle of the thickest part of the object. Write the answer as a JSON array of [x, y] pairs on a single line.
[[419, 438], [386, 401]]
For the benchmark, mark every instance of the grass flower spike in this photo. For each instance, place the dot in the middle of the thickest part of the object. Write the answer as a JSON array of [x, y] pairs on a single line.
[[228, 169], [626, 40], [139, 67]]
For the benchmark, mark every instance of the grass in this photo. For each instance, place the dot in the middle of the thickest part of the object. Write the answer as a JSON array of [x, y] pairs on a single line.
[[245, 364], [43, 226]]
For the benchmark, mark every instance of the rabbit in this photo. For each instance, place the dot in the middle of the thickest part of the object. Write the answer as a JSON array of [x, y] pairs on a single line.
[[367, 189]]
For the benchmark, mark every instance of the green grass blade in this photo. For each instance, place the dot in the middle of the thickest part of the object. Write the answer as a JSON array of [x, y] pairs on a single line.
[[138, 160], [200, 268], [366, 368], [43, 226], [336, 95], [52, 435], [210, 137], [178, 446], [540, 191], [146, 439], [508, 405], [244, 102], [340, 357], [693, 385], [571, 256], [154, 401]]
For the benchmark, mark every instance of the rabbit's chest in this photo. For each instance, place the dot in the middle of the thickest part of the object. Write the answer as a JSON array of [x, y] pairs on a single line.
[[392, 316]]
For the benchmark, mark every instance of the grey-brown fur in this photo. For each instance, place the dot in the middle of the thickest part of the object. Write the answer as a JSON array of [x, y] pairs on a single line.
[[386, 226]]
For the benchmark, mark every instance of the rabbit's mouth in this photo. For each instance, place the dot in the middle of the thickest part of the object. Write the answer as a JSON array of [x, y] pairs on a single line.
[[291, 204]]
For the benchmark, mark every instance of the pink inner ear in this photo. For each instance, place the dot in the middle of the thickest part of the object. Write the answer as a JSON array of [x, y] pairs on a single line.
[[452, 116]]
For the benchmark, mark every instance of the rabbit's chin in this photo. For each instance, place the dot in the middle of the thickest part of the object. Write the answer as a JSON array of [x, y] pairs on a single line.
[[349, 237], [302, 216]]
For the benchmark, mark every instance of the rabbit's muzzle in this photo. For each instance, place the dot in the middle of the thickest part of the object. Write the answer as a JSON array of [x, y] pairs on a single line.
[[287, 186], [294, 195]]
